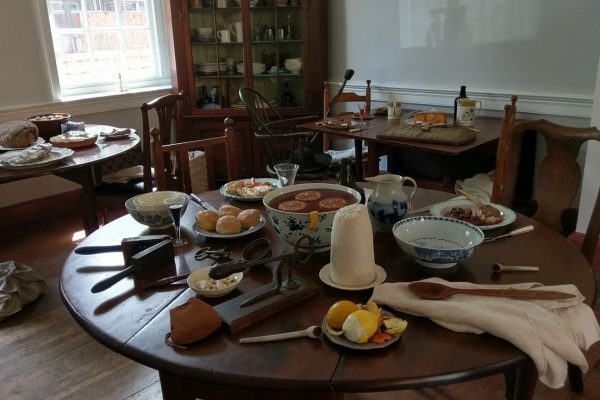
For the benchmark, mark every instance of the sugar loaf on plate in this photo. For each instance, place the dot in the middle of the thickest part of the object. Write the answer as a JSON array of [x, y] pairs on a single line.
[[18, 134]]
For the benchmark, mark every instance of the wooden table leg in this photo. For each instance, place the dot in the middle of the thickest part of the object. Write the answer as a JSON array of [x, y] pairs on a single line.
[[88, 200], [521, 381], [372, 160], [358, 174]]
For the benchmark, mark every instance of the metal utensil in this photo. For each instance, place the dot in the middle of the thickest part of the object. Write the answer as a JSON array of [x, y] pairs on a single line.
[[202, 203], [437, 291], [515, 232], [513, 268], [313, 332]]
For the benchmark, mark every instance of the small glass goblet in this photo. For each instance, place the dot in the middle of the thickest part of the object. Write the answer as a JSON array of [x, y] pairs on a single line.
[[175, 210]]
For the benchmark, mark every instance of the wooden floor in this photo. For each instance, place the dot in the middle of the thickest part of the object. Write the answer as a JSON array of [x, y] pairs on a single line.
[[44, 354]]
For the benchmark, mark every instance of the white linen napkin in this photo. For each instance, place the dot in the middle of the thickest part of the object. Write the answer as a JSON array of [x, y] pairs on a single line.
[[551, 332]]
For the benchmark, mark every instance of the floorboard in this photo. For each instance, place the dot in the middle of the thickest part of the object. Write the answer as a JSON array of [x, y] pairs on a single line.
[[45, 355]]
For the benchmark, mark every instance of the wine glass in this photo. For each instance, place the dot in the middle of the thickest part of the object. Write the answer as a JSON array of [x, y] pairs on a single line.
[[175, 210]]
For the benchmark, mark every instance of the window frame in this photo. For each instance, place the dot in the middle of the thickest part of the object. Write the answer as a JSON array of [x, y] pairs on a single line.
[[159, 42]]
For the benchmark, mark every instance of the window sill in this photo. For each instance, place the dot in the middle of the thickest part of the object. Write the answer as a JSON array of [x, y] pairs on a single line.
[[85, 105]]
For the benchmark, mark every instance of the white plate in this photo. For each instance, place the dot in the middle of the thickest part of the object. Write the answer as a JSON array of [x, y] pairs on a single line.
[[509, 215], [342, 341], [352, 125], [380, 276], [411, 121], [55, 155], [40, 140], [244, 232], [274, 182]]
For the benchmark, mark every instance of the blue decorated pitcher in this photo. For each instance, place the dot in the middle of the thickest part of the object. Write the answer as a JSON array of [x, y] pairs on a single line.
[[388, 203]]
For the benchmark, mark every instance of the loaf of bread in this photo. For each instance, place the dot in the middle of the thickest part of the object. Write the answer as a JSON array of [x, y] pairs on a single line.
[[18, 134], [430, 117]]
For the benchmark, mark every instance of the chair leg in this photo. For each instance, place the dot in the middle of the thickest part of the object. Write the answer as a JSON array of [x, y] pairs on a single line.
[[575, 378]]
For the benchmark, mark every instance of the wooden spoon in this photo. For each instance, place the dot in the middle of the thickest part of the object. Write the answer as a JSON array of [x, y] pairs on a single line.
[[437, 291]]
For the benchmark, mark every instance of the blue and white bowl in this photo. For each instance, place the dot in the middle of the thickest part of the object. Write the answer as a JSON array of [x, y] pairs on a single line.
[[156, 216], [437, 242], [291, 225]]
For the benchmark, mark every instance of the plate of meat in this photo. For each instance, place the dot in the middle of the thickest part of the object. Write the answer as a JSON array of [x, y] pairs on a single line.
[[485, 216]]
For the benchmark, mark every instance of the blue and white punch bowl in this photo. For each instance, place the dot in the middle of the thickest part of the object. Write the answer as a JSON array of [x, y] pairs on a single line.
[[153, 210], [437, 242]]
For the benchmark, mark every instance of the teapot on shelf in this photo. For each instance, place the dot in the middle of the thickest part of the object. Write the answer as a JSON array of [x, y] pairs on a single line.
[[388, 203]]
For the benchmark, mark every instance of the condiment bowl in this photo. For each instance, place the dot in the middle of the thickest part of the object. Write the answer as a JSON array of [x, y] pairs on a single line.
[[291, 225], [49, 124], [157, 215], [437, 242], [214, 288]]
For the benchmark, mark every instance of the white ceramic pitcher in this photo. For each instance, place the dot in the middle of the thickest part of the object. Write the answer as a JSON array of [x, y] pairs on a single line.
[[388, 203]]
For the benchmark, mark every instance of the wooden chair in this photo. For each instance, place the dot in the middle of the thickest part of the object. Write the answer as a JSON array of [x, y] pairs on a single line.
[[345, 97], [168, 110], [280, 140], [556, 184], [172, 164]]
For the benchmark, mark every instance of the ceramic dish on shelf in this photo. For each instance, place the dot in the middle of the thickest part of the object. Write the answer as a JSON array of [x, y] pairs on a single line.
[[39, 140], [274, 184], [55, 155], [216, 235], [324, 275], [342, 341], [440, 209]]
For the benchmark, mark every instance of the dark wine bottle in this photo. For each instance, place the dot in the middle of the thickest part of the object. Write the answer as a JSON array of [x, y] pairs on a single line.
[[346, 178], [462, 95]]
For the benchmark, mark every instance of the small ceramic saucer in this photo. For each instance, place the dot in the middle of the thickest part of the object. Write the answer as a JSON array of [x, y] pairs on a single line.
[[380, 276]]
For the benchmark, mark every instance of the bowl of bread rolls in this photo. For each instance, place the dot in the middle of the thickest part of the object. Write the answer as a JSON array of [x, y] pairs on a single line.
[[152, 209], [228, 221]]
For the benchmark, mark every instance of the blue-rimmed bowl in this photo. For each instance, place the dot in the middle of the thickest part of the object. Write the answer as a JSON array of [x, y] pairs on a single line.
[[437, 242], [156, 216]]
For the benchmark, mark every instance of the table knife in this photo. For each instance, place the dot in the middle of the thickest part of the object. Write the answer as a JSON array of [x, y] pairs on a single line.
[[202, 203]]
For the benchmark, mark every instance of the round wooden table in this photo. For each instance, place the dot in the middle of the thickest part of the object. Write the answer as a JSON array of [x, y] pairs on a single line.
[[82, 160], [133, 321]]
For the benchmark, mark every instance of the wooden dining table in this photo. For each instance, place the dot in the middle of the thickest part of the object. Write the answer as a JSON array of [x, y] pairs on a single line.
[[487, 129], [133, 321], [83, 161]]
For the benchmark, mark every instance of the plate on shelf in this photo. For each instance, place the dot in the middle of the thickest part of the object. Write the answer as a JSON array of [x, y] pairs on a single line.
[[439, 209], [216, 235], [342, 341], [40, 140], [56, 154], [274, 183]]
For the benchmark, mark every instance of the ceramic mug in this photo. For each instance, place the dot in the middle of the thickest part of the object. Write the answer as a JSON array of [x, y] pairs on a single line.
[[236, 30], [467, 110], [394, 110], [224, 35]]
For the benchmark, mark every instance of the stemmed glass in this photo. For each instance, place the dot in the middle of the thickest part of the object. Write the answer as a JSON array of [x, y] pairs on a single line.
[[175, 210]]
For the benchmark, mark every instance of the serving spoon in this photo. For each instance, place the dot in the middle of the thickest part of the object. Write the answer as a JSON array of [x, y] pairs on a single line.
[[313, 332], [513, 268], [438, 291]]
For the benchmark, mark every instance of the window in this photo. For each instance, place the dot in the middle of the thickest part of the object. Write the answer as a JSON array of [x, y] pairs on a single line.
[[104, 46]]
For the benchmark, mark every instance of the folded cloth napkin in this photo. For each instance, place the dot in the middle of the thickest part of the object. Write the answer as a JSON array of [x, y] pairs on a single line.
[[551, 332], [19, 286], [338, 155]]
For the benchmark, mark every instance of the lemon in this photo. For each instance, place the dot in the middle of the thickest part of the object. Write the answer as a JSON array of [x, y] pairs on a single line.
[[338, 313], [360, 326]]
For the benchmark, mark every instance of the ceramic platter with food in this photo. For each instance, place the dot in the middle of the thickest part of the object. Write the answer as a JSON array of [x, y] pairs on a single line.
[[339, 123], [432, 118], [36, 156], [228, 222], [253, 189], [466, 210], [362, 327], [74, 139]]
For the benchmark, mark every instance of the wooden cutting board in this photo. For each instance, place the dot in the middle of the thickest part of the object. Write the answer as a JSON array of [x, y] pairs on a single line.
[[438, 135]]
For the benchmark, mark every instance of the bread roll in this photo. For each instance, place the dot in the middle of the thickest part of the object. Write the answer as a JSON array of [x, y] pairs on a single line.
[[207, 219], [228, 210], [18, 134], [228, 225], [233, 187], [249, 217]]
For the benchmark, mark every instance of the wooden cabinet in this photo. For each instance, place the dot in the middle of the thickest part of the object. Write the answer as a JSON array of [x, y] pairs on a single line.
[[278, 47]]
